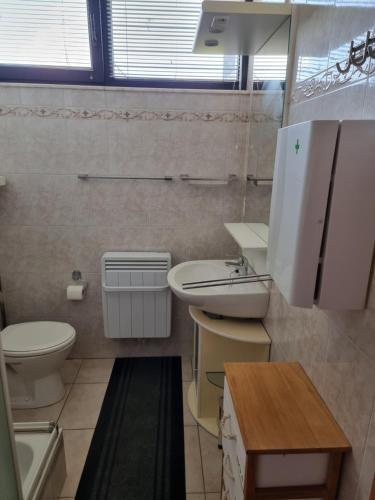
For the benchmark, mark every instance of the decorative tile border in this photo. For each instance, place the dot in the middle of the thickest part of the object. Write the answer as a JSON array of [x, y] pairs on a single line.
[[330, 80], [108, 114], [264, 117], [139, 115]]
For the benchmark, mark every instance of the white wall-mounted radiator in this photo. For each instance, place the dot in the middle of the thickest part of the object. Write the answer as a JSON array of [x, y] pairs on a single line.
[[136, 295]]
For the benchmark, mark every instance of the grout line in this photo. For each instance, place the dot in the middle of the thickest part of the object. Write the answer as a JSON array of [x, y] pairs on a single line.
[[359, 348], [200, 453], [65, 400], [67, 396], [79, 369], [92, 383], [92, 358], [365, 445], [80, 429]]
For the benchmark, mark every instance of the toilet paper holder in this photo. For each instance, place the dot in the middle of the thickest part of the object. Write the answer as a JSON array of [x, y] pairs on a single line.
[[77, 290], [76, 275]]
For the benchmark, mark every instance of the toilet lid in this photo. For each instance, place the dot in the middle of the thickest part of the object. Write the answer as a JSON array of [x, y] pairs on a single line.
[[36, 336]]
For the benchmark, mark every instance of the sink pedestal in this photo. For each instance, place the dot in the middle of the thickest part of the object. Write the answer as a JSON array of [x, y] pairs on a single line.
[[217, 341]]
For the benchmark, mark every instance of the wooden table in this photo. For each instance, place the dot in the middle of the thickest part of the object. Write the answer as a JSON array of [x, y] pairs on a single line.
[[275, 413]]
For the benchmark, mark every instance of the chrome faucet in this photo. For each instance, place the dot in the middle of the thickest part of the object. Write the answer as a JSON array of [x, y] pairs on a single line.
[[241, 265]]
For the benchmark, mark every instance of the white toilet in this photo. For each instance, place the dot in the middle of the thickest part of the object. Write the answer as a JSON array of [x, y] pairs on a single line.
[[34, 353]]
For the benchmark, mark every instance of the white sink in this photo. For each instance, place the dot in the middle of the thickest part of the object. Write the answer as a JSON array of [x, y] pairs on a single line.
[[247, 300]]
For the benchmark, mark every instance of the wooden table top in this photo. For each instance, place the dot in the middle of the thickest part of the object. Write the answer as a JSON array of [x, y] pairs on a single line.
[[279, 409]]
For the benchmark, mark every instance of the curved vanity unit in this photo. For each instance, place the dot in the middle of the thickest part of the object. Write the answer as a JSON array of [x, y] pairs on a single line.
[[246, 300], [217, 341]]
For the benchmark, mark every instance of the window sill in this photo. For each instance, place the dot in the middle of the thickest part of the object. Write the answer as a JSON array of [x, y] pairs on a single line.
[[125, 89]]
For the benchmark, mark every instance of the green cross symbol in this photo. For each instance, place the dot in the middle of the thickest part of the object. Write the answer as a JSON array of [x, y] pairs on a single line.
[[297, 146]]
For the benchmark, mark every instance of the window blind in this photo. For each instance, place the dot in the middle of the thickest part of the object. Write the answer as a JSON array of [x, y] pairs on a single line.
[[44, 33], [269, 68], [153, 39]]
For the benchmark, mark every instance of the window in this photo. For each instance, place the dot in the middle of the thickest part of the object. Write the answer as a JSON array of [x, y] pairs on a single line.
[[269, 72], [112, 42], [153, 39], [45, 39]]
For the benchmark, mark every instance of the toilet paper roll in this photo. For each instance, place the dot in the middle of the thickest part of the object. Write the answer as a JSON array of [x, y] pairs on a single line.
[[75, 292]]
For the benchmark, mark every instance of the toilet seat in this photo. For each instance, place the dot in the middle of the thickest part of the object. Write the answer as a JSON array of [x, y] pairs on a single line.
[[36, 338]]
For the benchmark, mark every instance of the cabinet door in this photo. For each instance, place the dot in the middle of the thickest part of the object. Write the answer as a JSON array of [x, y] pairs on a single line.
[[234, 460], [232, 484], [231, 435]]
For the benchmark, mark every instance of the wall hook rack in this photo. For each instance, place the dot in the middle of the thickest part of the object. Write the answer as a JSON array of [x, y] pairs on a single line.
[[358, 54]]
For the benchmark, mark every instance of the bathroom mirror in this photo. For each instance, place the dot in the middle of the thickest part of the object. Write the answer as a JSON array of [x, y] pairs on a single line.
[[267, 83]]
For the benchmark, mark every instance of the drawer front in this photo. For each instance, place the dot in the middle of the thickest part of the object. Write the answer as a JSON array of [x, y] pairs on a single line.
[[231, 472], [231, 436], [232, 484], [291, 469]]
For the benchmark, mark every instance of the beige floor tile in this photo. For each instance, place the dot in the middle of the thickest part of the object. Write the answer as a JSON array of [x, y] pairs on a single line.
[[188, 417], [195, 496], [77, 443], [211, 460], [187, 372], [82, 407], [94, 371], [69, 370], [44, 414], [213, 496], [193, 464]]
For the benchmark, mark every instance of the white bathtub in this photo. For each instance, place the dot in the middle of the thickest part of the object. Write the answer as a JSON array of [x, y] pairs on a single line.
[[36, 448]]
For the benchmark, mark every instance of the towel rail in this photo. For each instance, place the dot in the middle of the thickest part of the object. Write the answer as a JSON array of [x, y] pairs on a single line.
[[229, 282], [230, 279], [182, 177], [261, 181], [86, 177], [229, 178]]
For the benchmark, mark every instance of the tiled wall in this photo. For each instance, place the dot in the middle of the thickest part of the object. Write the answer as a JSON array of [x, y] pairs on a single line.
[[337, 349], [267, 110], [52, 223]]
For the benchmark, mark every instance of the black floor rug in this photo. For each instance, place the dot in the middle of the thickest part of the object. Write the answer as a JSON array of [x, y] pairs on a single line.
[[137, 451]]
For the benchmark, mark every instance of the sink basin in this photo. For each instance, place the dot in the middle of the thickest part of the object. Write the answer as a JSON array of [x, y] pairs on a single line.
[[247, 300]]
